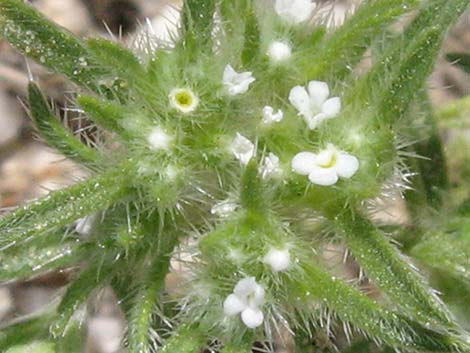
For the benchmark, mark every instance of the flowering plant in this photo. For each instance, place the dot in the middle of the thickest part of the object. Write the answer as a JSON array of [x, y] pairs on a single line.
[[250, 148]]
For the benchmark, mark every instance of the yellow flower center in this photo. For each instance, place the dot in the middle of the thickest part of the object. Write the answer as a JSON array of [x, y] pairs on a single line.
[[184, 99]]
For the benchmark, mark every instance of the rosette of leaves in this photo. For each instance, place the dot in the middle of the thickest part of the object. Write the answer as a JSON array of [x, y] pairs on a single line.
[[166, 165]]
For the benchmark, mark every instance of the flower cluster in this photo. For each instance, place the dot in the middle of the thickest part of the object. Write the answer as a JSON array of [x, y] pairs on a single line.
[[314, 104], [248, 295]]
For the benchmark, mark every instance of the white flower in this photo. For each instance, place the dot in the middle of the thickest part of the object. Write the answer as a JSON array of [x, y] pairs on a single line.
[[279, 51], [294, 11], [158, 139], [224, 208], [183, 99], [84, 226], [270, 166], [279, 260], [325, 167], [269, 116], [242, 148], [314, 105], [236, 83], [247, 298]]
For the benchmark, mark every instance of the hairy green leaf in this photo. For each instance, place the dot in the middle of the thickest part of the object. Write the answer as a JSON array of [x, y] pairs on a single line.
[[45, 42], [345, 47], [390, 271], [54, 133], [63, 207], [383, 325], [104, 113]]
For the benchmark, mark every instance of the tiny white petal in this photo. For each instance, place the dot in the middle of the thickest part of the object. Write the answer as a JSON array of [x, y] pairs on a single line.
[[183, 99], [270, 166], [252, 318], [245, 286], [304, 162], [346, 165], [300, 99], [242, 148], [233, 305], [256, 299], [83, 226], [294, 11], [331, 107], [270, 117], [279, 260], [318, 92], [158, 139], [224, 208], [326, 157], [236, 83], [279, 51], [314, 121], [323, 176], [313, 103]]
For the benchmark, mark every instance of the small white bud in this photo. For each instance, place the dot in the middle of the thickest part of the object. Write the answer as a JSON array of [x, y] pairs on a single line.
[[159, 139], [279, 51], [279, 260]]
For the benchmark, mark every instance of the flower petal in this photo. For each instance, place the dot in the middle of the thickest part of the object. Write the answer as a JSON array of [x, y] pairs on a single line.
[[346, 165], [229, 74], [318, 92], [236, 83], [331, 107], [257, 298], [270, 117], [300, 99], [270, 166], [323, 176], [314, 121], [252, 318], [245, 286], [304, 162], [234, 305], [242, 148], [279, 260]]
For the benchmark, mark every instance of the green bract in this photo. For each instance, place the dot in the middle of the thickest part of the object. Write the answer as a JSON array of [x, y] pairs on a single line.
[[251, 149]]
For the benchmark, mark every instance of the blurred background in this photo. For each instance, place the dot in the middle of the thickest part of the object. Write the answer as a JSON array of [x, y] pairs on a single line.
[[28, 169]]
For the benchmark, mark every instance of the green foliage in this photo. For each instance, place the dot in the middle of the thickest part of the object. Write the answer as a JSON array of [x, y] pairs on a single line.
[[54, 132], [46, 43], [195, 177]]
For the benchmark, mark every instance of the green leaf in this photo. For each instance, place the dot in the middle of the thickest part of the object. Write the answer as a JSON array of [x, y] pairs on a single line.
[[461, 59], [383, 325], [79, 291], [390, 271], [54, 133], [62, 207], [447, 249], [31, 260], [37, 37], [74, 339], [104, 113], [401, 71], [185, 339], [237, 348], [252, 38], [34, 347], [142, 312], [345, 47], [116, 59], [24, 332], [197, 19], [432, 181]]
